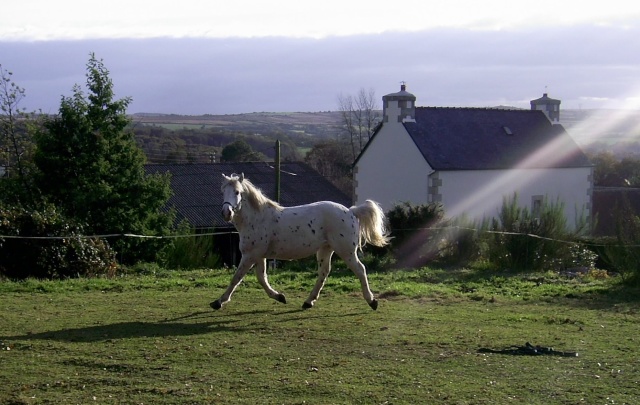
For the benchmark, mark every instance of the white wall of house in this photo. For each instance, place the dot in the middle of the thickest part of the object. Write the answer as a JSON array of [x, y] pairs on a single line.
[[392, 170], [479, 194]]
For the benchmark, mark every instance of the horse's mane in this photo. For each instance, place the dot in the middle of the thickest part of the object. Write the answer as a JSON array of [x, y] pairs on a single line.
[[256, 197]]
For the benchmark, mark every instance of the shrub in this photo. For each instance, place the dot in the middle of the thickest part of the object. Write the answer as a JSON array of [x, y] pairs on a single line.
[[524, 241], [55, 249], [464, 241], [416, 233], [622, 254], [190, 251]]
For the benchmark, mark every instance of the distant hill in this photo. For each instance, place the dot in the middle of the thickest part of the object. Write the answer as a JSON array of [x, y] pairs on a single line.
[[608, 126], [597, 128], [320, 124]]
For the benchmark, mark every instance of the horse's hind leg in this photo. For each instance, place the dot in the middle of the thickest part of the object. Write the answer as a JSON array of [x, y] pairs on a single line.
[[243, 268], [261, 274], [324, 268], [361, 272]]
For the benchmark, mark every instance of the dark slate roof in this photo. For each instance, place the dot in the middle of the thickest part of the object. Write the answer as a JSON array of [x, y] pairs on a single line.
[[196, 187], [484, 138]]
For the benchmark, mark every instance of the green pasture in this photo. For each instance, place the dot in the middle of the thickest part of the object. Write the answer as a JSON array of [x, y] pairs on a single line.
[[151, 338]]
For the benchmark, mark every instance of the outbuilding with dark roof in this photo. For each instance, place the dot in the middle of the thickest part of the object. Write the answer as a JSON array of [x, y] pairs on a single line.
[[197, 197]]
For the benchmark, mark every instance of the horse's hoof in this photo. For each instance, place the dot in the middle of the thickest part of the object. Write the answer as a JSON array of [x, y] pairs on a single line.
[[374, 304], [216, 304], [281, 298], [306, 305]]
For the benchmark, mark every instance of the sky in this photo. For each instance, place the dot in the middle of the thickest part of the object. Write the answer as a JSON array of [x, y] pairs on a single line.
[[213, 57]]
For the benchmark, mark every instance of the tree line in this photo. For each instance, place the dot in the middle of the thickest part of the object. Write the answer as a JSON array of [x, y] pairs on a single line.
[[206, 145]]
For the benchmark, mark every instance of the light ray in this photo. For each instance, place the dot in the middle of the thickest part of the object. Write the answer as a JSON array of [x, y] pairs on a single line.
[[530, 170]]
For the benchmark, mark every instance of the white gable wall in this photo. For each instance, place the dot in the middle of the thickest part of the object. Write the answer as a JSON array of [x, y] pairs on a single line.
[[480, 194], [392, 170]]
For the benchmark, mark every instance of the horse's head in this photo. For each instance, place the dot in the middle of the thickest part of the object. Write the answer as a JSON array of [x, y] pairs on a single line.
[[231, 195]]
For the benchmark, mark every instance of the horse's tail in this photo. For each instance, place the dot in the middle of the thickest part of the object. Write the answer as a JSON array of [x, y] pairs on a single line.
[[372, 224]]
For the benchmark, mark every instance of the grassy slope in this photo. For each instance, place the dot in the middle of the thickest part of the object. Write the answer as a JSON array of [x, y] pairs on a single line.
[[153, 339]]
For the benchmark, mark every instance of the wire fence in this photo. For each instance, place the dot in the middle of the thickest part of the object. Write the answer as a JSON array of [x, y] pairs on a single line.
[[117, 235], [448, 228]]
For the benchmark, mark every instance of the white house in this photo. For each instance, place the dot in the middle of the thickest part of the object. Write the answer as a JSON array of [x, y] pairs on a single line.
[[469, 159]]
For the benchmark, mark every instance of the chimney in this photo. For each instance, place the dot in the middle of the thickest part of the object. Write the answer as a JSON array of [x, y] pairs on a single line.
[[549, 106], [399, 107]]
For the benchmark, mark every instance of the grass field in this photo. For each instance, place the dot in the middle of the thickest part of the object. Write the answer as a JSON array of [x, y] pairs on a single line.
[[152, 339]]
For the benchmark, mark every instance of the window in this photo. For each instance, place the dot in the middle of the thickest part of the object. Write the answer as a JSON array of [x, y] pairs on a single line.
[[536, 205]]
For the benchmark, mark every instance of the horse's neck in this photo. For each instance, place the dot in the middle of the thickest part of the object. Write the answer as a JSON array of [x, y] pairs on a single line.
[[248, 215]]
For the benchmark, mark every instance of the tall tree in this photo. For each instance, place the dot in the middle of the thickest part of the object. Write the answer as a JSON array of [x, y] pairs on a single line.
[[16, 144], [92, 168], [360, 116], [332, 161]]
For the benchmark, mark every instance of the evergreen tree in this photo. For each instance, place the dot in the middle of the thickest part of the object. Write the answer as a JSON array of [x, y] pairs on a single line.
[[92, 168]]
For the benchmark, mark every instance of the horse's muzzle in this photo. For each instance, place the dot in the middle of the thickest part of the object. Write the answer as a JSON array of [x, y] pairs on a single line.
[[227, 213]]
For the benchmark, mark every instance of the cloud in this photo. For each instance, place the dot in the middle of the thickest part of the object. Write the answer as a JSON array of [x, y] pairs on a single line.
[[444, 67], [73, 19]]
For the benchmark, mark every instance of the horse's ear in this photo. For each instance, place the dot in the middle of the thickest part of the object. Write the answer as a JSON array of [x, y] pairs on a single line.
[[241, 177]]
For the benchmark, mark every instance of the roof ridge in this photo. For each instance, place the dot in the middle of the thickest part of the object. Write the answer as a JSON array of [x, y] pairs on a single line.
[[499, 108]]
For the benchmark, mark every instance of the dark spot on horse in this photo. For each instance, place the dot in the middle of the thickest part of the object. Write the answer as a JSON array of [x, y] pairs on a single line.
[[313, 231], [342, 235]]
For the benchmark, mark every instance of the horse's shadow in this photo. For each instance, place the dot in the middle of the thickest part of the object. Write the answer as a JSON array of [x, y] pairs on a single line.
[[188, 325], [197, 323]]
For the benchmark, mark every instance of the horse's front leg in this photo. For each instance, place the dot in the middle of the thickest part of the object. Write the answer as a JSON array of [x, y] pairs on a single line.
[[242, 270], [261, 274]]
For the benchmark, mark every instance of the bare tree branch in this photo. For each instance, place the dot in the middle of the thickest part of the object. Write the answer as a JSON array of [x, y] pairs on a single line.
[[360, 116]]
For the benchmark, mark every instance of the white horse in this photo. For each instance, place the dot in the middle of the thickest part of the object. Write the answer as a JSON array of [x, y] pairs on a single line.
[[268, 230]]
